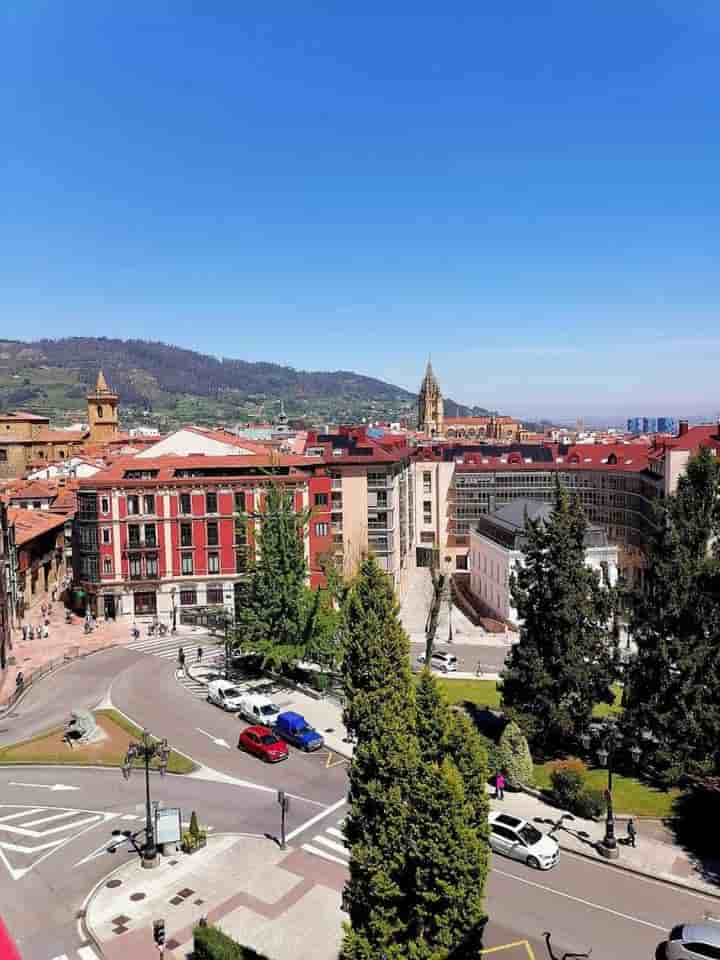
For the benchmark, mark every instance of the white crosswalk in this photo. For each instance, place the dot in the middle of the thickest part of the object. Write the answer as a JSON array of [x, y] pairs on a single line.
[[82, 953], [329, 845], [167, 649]]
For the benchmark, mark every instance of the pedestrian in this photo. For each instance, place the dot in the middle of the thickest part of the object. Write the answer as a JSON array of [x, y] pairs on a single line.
[[24, 631], [31, 633], [181, 658], [200, 652], [499, 786], [43, 608], [45, 631], [54, 594], [631, 832]]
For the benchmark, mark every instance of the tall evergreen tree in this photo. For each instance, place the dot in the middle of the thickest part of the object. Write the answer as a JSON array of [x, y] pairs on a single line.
[[673, 689], [273, 606], [565, 660]]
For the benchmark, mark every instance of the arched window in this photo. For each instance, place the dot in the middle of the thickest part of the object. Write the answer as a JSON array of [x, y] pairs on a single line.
[[99, 410]]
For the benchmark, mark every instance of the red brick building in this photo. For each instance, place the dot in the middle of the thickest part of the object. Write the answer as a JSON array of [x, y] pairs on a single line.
[[155, 536]]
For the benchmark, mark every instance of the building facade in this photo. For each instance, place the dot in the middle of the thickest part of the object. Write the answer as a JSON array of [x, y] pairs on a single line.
[[497, 544]]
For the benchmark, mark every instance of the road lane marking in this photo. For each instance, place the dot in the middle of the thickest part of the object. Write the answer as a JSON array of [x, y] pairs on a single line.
[[216, 740], [316, 819], [309, 848], [338, 847], [55, 816], [87, 953], [586, 903], [44, 786], [510, 946]]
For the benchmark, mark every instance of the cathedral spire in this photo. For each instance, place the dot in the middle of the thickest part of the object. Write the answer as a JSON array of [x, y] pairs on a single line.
[[430, 404]]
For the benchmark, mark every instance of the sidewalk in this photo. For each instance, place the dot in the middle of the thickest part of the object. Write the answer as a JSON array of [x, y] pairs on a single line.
[[242, 884], [651, 857]]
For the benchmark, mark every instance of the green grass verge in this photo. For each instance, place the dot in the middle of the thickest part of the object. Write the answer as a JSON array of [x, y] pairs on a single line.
[[12, 754], [629, 795], [479, 692], [604, 709]]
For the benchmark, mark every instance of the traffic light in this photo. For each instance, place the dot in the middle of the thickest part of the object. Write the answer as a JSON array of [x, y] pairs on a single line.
[[159, 932]]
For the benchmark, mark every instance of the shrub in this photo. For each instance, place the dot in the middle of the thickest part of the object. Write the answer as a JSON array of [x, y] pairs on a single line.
[[566, 787], [209, 943], [589, 803], [514, 757]]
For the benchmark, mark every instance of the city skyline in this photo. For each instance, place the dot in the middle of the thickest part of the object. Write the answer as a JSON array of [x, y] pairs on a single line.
[[532, 198]]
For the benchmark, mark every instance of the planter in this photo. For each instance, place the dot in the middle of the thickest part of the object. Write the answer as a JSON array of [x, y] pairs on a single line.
[[193, 848]]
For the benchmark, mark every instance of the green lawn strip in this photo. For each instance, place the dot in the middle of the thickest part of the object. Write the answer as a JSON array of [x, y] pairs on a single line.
[[8, 754], [479, 692], [601, 710], [630, 796]]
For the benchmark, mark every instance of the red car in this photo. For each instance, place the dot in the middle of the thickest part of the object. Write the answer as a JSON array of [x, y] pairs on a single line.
[[263, 743]]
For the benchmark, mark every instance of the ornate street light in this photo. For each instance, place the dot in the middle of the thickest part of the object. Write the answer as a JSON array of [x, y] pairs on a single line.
[[610, 740], [147, 749]]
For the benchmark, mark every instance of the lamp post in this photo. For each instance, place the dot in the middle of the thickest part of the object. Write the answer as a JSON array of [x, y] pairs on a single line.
[[147, 749], [174, 615], [229, 618], [610, 739]]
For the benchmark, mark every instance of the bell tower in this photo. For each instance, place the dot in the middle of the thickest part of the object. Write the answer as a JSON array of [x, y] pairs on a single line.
[[431, 410], [102, 412]]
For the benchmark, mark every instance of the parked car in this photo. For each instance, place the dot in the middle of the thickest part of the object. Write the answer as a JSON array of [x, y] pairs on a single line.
[[263, 743], [224, 694], [693, 941], [259, 709], [520, 840], [294, 729], [444, 662]]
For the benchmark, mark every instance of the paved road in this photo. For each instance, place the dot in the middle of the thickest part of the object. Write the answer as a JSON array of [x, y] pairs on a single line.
[[583, 903], [490, 656]]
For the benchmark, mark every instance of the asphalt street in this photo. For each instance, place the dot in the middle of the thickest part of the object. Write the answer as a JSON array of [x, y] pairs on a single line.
[[584, 904], [490, 657]]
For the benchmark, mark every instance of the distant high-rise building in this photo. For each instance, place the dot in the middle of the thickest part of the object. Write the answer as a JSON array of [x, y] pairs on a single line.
[[651, 425]]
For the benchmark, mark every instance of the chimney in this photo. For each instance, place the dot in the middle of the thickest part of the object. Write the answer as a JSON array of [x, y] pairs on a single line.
[[683, 427]]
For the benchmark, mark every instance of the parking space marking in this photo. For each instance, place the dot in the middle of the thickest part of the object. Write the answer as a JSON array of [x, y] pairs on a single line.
[[527, 949]]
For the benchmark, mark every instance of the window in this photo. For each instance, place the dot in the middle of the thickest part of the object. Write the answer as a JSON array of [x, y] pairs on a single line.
[[211, 505], [104, 505], [107, 565], [3, 455], [150, 503], [133, 505], [151, 565], [213, 563], [145, 603], [321, 499], [185, 503], [99, 411], [135, 568], [185, 534], [133, 535], [241, 561], [106, 534], [215, 594], [427, 538], [427, 511], [703, 950], [427, 481], [322, 529], [212, 533], [240, 533], [61, 454], [240, 501], [188, 598], [37, 504], [150, 535], [187, 563]]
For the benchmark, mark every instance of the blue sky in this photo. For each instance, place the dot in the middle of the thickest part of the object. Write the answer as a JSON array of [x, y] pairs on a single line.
[[528, 191]]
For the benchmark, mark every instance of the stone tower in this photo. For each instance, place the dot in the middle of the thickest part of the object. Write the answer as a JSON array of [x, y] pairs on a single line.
[[430, 405], [102, 412]]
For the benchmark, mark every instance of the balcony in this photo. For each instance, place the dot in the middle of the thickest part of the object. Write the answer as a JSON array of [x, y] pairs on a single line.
[[336, 483]]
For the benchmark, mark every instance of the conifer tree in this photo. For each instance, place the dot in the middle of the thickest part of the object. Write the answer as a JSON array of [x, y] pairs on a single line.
[[566, 659], [673, 690]]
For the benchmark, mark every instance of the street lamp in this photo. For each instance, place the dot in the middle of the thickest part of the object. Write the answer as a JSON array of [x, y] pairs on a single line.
[[147, 749], [174, 615], [228, 618], [610, 740]]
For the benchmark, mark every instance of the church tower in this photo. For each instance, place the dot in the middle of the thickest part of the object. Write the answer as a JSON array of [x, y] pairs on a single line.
[[430, 405], [102, 412]]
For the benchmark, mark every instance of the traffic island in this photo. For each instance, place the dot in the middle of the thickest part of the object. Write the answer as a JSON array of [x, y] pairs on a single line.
[[109, 749], [284, 905]]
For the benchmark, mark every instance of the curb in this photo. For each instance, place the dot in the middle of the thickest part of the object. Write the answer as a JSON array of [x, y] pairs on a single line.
[[6, 708], [640, 873]]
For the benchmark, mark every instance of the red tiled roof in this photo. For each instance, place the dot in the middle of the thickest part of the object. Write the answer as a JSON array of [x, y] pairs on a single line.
[[30, 524], [60, 436], [167, 466], [34, 490], [704, 435], [224, 436], [20, 417]]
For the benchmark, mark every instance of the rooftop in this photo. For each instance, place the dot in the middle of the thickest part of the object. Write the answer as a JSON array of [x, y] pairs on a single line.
[[30, 524]]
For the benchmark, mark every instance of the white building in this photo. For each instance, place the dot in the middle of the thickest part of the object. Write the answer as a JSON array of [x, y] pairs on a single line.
[[496, 550], [193, 440]]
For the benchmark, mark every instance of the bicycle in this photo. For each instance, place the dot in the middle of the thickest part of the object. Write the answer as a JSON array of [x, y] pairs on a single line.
[[565, 956]]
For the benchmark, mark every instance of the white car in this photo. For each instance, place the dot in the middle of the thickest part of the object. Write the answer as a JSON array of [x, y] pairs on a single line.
[[520, 840], [259, 709], [444, 662], [693, 941], [225, 694]]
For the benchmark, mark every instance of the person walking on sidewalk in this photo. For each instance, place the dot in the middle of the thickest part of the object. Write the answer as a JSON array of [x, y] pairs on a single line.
[[631, 832], [181, 658], [499, 786], [24, 631], [200, 653]]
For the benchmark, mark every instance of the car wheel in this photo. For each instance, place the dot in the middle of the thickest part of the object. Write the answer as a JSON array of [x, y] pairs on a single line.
[[533, 862]]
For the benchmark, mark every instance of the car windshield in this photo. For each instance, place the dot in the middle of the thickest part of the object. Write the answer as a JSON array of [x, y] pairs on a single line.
[[268, 739], [268, 709], [530, 835], [231, 692]]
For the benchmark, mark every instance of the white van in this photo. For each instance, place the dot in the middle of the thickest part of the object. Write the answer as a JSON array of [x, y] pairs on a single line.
[[224, 694], [258, 709]]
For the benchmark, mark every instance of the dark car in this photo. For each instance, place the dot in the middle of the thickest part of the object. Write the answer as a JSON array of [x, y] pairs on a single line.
[[294, 728], [263, 743]]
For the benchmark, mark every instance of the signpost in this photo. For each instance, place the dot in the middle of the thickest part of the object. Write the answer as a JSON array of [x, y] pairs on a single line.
[[284, 802], [167, 825]]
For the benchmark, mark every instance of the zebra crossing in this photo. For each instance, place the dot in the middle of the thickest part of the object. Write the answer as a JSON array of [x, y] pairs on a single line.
[[82, 953], [329, 845], [166, 648]]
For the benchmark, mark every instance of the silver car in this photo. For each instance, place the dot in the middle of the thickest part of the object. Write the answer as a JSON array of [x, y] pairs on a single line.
[[694, 941]]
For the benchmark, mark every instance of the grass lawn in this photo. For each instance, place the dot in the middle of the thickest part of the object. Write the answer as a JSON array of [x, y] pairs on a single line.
[[603, 709], [480, 692], [629, 795], [49, 747]]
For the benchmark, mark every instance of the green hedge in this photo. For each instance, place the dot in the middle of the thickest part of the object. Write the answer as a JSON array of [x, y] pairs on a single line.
[[511, 755], [212, 944]]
